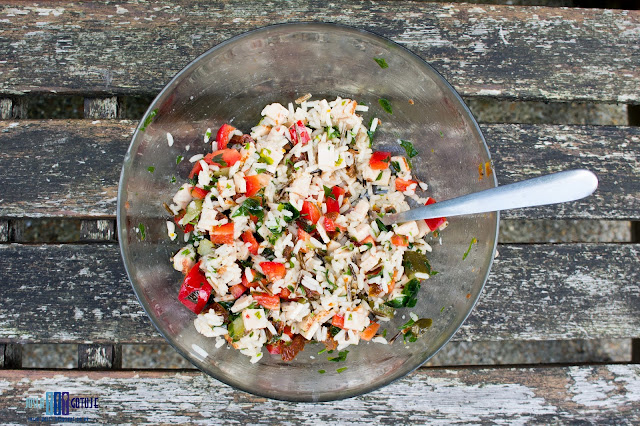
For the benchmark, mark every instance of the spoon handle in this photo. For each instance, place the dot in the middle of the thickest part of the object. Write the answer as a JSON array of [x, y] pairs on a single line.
[[550, 189]]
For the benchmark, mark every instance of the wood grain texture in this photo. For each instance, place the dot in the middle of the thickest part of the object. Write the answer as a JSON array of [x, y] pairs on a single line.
[[535, 292], [98, 230], [593, 394], [4, 231], [99, 357], [534, 53], [73, 166], [97, 108]]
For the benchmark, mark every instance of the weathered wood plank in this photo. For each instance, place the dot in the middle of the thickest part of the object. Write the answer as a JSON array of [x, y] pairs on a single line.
[[72, 167], [535, 292], [12, 355], [499, 51], [13, 108], [99, 357], [98, 108], [4, 231], [594, 394]]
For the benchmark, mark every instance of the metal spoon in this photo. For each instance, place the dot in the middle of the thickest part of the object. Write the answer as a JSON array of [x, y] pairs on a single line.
[[550, 189]]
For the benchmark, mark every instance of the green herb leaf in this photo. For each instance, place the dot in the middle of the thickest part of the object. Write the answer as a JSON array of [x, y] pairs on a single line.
[[289, 207], [322, 351], [321, 371], [382, 226], [379, 176], [342, 356], [332, 132], [466, 253], [408, 147], [250, 206], [173, 179], [148, 119], [143, 231], [340, 370], [384, 333], [151, 169], [396, 166], [328, 192], [218, 160], [386, 105], [383, 64], [179, 158], [333, 330], [409, 295]]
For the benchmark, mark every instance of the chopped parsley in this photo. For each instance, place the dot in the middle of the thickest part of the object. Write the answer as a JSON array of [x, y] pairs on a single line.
[[408, 298], [383, 64], [173, 179], [342, 356], [386, 105], [466, 253], [218, 160], [379, 176], [321, 371], [408, 147], [151, 169], [148, 119], [322, 351], [340, 370], [143, 231], [250, 206], [381, 226], [179, 158]]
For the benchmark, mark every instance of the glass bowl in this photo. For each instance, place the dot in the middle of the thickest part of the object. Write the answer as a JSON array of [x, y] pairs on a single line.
[[231, 83]]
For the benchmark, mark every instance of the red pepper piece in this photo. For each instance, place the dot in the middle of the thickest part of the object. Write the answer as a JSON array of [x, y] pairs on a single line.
[[237, 290], [198, 193], [195, 290], [402, 185], [435, 223], [255, 183], [267, 301], [332, 204], [273, 270], [338, 321], [224, 134], [222, 234], [299, 133], [247, 237], [310, 212], [380, 160]]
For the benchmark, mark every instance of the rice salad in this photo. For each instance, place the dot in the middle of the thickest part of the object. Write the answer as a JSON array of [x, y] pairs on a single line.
[[284, 239]]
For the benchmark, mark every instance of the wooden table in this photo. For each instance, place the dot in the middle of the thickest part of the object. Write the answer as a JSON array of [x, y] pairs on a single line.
[[78, 292]]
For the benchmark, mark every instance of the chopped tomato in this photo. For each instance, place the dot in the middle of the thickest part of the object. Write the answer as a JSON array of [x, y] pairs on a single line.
[[299, 133], [288, 332], [400, 241], [284, 293], [267, 301], [255, 183], [237, 290], [195, 290], [332, 205], [247, 237], [223, 157], [338, 320], [224, 134], [435, 223], [196, 169], [402, 185], [222, 234], [380, 160], [328, 224], [369, 332], [198, 193], [310, 212], [275, 348], [273, 270], [368, 240]]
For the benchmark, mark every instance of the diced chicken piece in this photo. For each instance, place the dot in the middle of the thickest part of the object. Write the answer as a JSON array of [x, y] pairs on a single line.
[[408, 228], [241, 184], [311, 323], [185, 259], [344, 109], [360, 232], [259, 131], [332, 246], [254, 319], [226, 187], [327, 157], [242, 303], [359, 212], [300, 185], [377, 177], [208, 220], [423, 229], [356, 320], [183, 196], [402, 163], [276, 112]]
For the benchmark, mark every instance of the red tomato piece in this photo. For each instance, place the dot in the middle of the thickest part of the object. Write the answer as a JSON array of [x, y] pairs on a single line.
[[255, 183], [435, 223], [188, 228], [275, 348], [367, 240], [273, 270], [338, 321], [196, 169], [195, 290], [198, 193], [288, 332], [380, 160], [247, 237], [267, 301], [224, 134], [222, 234], [400, 241], [223, 157], [299, 133], [370, 331], [328, 224], [284, 293], [402, 185], [333, 205], [237, 290], [310, 212]]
